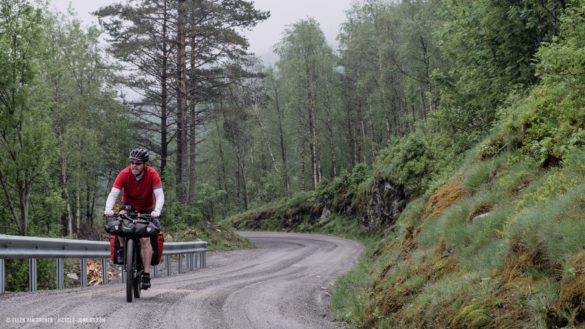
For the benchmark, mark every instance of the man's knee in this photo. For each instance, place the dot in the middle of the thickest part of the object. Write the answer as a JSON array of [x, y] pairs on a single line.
[[145, 243]]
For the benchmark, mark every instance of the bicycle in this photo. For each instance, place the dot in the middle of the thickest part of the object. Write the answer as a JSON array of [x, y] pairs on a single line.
[[133, 229]]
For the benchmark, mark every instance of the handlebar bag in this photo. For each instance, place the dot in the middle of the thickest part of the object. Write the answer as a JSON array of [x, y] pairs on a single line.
[[114, 227], [145, 229]]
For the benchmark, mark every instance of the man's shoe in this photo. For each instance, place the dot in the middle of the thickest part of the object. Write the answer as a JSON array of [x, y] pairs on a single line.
[[120, 256], [145, 280]]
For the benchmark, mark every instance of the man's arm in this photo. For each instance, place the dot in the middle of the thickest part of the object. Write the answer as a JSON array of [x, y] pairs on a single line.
[[111, 201], [159, 203]]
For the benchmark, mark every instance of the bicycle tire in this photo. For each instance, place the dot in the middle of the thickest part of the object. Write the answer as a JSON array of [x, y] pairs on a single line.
[[137, 274], [129, 269]]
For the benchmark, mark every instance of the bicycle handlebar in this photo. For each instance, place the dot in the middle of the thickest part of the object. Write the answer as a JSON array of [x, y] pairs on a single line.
[[133, 216]]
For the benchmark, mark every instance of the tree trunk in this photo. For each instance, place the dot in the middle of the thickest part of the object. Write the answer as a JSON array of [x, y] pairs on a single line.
[[77, 205], [67, 196], [89, 209], [242, 169], [285, 177], [24, 207], [313, 128], [193, 128], [10, 202], [164, 96], [182, 126], [428, 87], [351, 136], [221, 175], [373, 139], [364, 138], [192, 156], [329, 125], [303, 166]]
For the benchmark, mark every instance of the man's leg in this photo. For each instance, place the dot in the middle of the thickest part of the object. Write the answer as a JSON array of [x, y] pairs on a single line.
[[120, 255], [146, 253]]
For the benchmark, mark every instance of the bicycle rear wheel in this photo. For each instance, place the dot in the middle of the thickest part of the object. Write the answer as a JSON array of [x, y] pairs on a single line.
[[129, 269]]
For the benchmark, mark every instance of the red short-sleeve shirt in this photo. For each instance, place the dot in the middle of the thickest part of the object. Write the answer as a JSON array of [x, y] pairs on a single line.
[[139, 194]]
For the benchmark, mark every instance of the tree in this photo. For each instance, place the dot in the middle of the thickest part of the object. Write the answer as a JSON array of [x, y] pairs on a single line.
[[27, 144], [74, 70], [197, 37], [141, 38], [272, 89], [305, 59]]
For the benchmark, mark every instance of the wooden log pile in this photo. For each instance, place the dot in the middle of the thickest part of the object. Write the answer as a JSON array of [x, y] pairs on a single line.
[[94, 272]]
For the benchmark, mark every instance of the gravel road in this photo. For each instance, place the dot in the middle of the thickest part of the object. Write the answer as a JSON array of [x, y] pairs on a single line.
[[285, 282]]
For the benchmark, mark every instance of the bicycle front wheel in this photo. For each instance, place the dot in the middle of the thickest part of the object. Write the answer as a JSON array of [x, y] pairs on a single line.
[[137, 271], [129, 269]]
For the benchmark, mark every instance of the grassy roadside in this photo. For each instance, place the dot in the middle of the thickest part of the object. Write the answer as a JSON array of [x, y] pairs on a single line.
[[218, 236]]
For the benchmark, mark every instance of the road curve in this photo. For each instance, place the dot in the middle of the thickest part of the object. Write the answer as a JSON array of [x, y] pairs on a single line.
[[284, 283]]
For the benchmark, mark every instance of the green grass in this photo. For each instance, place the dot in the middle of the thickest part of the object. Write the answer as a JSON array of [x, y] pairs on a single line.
[[217, 236]]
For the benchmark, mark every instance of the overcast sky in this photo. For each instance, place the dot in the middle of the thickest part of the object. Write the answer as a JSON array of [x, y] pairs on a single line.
[[329, 13]]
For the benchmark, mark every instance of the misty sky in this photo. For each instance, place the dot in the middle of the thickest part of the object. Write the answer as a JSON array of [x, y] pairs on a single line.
[[329, 13]]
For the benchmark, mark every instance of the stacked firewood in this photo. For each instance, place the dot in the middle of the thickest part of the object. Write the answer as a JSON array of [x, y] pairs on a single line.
[[94, 272]]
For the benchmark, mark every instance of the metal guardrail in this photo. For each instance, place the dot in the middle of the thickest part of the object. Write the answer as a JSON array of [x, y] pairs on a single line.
[[32, 248]]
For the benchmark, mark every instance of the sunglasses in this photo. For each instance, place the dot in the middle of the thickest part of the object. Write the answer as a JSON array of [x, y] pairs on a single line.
[[137, 163]]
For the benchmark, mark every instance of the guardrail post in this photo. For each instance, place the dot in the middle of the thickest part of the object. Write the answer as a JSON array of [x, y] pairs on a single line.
[[180, 263], [191, 261], [154, 271], [2, 277], [59, 273], [32, 274], [105, 277], [83, 274], [168, 264], [203, 259]]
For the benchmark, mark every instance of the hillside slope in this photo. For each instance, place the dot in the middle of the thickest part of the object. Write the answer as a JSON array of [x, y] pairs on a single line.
[[488, 239]]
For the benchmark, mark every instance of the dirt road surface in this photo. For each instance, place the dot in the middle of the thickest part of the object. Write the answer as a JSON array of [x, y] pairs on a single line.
[[286, 282]]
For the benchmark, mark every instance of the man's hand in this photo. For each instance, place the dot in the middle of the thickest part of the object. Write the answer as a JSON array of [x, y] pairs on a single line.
[[109, 213], [155, 214]]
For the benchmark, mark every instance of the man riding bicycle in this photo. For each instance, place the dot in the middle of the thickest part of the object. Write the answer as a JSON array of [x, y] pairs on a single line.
[[143, 192]]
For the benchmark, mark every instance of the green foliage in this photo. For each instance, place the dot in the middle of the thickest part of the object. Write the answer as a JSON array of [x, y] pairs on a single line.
[[550, 122], [413, 162], [25, 124], [17, 274], [491, 46]]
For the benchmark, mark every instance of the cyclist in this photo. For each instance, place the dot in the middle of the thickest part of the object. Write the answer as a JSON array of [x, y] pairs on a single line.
[[143, 192]]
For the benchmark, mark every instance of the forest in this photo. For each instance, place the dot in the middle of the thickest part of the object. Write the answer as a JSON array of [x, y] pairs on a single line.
[[446, 135]]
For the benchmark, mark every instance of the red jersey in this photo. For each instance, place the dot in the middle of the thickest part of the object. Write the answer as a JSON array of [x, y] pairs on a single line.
[[138, 193]]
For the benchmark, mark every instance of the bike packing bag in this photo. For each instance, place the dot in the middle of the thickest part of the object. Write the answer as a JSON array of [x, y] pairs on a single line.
[[139, 228], [114, 246], [114, 227], [157, 241]]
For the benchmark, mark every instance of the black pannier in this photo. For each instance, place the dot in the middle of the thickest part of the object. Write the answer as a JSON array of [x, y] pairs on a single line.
[[127, 227]]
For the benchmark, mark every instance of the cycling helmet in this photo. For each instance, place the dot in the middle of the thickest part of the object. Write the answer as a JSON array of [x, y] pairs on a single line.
[[139, 154]]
